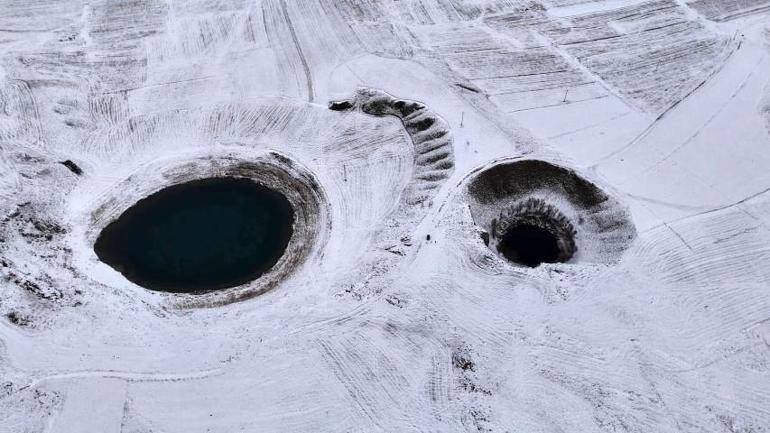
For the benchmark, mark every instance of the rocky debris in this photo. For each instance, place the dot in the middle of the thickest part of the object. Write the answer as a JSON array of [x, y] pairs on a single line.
[[72, 167]]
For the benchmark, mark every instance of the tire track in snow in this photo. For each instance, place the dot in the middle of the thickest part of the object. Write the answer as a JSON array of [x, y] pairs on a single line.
[[308, 77], [128, 376]]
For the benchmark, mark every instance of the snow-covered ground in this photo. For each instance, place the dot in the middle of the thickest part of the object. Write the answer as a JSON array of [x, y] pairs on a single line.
[[652, 117]]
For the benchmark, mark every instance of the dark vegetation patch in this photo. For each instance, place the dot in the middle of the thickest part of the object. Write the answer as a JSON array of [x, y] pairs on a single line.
[[30, 225], [18, 319], [35, 265], [463, 363], [41, 287], [480, 419], [396, 301]]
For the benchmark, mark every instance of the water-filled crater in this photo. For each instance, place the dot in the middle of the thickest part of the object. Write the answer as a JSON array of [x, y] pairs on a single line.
[[201, 235]]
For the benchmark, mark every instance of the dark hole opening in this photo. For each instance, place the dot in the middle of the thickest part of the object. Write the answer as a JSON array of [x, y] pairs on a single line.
[[199, 236], [529, 245]]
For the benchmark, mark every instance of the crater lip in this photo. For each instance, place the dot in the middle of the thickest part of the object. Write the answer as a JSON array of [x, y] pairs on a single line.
[[282, 174], [199, 236], [533, 212], [533, 232]]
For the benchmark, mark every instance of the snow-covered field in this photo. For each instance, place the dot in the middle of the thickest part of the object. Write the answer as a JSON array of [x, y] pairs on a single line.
[[643, 126]]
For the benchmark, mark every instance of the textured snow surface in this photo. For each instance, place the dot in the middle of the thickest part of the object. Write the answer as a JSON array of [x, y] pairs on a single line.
[[391, 313]]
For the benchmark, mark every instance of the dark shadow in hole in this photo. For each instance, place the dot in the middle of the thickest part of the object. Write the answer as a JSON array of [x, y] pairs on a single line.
[[199, 236], [529, 245]]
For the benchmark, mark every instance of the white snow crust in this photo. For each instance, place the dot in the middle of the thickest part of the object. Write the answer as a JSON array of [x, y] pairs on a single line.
[[398, 318]]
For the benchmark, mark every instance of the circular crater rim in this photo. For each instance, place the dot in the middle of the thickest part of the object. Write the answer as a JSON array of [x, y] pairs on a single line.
[[586, 222], [532, 232], [273, 170]]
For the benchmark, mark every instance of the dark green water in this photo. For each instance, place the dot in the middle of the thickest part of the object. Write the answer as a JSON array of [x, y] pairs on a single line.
[[198, 236]]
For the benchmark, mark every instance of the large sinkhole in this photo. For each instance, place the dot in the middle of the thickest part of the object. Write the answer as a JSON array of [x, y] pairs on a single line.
[[199, 236], [529, 245], [532, 232], [533, 212]]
